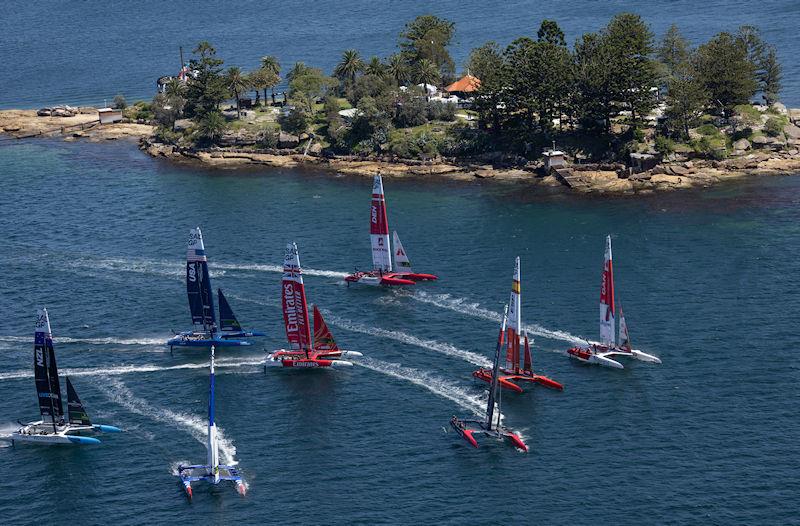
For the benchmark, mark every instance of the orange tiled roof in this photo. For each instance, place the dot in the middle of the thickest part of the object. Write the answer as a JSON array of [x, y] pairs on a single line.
[[465, 84]]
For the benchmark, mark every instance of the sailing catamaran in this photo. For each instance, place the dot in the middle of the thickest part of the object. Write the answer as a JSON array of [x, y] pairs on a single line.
[[602, 353], [512, 372], [201, 305], [213, 472], [467, 428], [322, 351], [386, 270], [53, 428]]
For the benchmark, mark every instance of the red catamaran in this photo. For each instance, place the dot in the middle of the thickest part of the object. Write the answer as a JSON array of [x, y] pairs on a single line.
[[512, 372], [602, 353], [389, 267], [322, 350]]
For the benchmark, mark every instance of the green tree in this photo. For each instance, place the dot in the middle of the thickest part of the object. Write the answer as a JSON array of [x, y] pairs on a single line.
[[375, 67], [724, 69], [270, 64], [595, 80], [426, 38], [119, 102], [770, 74], [551, 33], [211, 127], [167, 108], [295, 121], [263, 79], [237, 83], [205, 90], [427, 72], [397, 69], [685, 101], [674, 51], [486, 63], [306, 85], [349, 66]]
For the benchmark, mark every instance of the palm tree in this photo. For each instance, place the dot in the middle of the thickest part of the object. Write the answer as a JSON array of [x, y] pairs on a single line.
[[175, 88], [426, 72], [397, 68], [204, 49], [375, 67], [237, 83], [272, 69], [211, 127], [349, 66]]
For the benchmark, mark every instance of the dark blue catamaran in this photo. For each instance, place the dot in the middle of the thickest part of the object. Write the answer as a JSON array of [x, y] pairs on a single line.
[[229, 332]]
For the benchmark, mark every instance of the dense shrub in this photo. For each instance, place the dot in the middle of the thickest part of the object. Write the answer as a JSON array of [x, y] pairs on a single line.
[[267, 138], [296, 121], [410, 112], [774, 126], [441, 111], [664, 145]]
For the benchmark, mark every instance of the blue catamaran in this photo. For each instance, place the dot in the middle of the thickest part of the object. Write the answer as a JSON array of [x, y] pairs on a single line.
[[53, 428], [212, 472], [229, 332]]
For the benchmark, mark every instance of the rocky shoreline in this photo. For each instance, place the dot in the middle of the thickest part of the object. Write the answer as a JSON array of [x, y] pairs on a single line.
[[672, 173]]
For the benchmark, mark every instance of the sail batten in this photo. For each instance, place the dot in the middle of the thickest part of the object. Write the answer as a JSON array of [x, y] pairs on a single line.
[[607, 312], [48, 388], [227, 319], [379, 228], [198, 283], [293, 300], [77, 413]]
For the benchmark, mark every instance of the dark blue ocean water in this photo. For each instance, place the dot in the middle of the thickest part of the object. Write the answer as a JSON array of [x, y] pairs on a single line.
[[85, 52], [97, 232]]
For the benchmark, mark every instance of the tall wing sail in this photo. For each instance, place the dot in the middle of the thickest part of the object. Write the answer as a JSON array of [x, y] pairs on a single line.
[[293, 298], [607, 314], [77, 414], [227, 319], [514, 320], [401, 261], [495, 372], [528, 361], [45, 370], [212, 446], [323, 339], [624, 338], [198, 282], [379, 228]]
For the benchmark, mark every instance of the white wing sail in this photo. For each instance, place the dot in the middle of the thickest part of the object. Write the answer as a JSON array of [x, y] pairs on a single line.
[[401, 261], [607, 314]]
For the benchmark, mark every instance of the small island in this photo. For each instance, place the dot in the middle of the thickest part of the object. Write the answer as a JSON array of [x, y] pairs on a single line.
[[618, 112]]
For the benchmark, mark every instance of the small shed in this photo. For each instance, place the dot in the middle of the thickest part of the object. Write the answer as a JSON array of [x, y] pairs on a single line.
[[109, 115], [554, 159]]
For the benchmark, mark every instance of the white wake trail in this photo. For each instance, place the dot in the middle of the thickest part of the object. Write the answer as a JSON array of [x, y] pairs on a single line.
[[278, 269], [434, 384], [90, 341], [463, 306], [133, 369], [433, 345], [116, 391]]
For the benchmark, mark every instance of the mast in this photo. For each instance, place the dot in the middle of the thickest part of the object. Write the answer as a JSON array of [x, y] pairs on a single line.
[[607, 314], [213, 451], [379, 228], [198, 284], [45, 370], [495, 371], [514, 320], [293, 300]]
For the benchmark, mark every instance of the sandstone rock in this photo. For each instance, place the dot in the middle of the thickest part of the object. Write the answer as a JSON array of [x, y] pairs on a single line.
[[287, 140], [87, 110], [688, 164], [794, 115], [741, 144], [678, 170], [760, 141], [315, 149], [62, 112], [792, 131], [12, 128], [550, 181], [780, 108], [659, 170], [671, 181]]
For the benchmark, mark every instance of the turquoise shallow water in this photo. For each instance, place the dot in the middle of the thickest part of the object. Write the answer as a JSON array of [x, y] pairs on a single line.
[[87, 52], [96, 232]]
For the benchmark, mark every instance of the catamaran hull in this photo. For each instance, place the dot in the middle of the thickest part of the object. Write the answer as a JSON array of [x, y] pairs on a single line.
[[49, 440], [206, 343], [415, 276], [508, 380], [376, 280], [196, 473], [644, 357], [460, 426], [590, 357]]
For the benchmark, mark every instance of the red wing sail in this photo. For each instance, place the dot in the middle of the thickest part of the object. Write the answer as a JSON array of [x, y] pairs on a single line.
[[323, 339], [607, 321], [293, 299], [379, 228], [528, 363]]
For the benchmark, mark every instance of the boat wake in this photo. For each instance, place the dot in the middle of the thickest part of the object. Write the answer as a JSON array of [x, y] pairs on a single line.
[[434, 384], [116, 391], [433, 345], [90, 341], [133, 369], [463, 306], [278, 269]]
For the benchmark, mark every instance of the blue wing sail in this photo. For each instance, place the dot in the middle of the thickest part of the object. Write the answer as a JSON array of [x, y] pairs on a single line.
[[198, 283], [77, 414], [227, 319]]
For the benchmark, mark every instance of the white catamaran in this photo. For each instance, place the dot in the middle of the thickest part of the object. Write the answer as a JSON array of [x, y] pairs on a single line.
[[201, 305], [467, 428], [53, 428], [608, 348], [322, 350], [390, 267], [213, 472]]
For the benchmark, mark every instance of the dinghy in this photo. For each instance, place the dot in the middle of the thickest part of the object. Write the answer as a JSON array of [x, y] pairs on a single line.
[[213, 472], [512, 374], [467, 428], [53, 428], [383, 256], [303, 352], [603, 353], [201, 305]]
